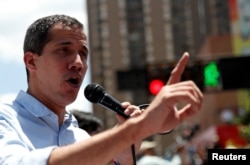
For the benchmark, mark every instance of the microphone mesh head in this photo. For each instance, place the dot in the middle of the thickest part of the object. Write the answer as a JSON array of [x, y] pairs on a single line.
[[94, 92]]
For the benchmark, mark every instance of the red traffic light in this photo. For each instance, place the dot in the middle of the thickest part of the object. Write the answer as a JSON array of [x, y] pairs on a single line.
[[155, 86]]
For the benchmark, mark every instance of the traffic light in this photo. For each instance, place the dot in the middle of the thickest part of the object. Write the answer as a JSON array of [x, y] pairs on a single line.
[[155, 86], [211, 74], [235, 72], [221, 74], [158, 75], [132, 79], [194, 71]]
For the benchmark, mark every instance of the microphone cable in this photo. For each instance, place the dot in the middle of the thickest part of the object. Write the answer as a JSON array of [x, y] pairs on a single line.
[[132, 148], [133, 154], [142, 107]]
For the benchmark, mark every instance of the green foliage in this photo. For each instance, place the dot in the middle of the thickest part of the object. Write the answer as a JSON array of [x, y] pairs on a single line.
[[244, 120], [245, 133]]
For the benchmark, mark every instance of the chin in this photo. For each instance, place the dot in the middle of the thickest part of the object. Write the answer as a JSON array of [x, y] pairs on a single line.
[[70, 98]]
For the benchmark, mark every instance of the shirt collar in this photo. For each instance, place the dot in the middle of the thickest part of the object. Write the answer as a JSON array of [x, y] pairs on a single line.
[[32, 105]]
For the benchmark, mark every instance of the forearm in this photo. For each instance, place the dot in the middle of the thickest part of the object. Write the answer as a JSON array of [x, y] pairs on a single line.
[[101, 148]]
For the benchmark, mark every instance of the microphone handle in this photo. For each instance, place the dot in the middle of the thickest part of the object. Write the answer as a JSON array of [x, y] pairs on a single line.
[[113, 104]]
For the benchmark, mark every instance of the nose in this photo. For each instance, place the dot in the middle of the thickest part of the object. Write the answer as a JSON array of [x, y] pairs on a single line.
[[76, 63]]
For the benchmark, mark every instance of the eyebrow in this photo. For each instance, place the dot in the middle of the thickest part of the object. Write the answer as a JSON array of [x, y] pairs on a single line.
[[65, 43], [84, 47]]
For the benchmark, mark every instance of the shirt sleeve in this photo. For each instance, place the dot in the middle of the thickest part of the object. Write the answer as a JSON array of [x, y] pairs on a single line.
[[15, 151], [38, 156]]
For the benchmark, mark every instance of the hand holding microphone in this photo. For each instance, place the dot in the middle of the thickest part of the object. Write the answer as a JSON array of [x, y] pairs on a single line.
[[96, 94]]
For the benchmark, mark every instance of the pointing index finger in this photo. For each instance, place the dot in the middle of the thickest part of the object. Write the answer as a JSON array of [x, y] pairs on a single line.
[[178, 69]]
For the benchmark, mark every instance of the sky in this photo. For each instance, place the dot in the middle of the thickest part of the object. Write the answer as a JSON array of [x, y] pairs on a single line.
[[15, 17]]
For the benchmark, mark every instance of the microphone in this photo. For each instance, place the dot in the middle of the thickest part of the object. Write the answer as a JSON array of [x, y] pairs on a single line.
[[95, 93]]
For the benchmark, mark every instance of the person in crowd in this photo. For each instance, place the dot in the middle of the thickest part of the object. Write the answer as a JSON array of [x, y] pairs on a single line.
[[36, 128], [147, 155], [88, 122]]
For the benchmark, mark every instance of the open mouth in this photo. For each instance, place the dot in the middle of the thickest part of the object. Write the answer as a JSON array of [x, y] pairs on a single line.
[[74, 81]]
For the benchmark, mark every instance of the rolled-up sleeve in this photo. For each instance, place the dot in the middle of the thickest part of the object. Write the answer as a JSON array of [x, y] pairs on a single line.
[[15, 147], [16, 150], [24, 157]]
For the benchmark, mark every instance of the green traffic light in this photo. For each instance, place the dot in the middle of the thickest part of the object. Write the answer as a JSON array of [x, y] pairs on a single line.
[[211, 75]]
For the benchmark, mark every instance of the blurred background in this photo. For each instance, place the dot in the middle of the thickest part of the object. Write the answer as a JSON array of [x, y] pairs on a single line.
[[134, 44]]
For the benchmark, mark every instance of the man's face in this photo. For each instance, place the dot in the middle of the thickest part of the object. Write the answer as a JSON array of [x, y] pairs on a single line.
[[60, 69]]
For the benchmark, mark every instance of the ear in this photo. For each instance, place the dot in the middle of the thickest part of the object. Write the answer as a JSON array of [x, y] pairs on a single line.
[[29, 60]]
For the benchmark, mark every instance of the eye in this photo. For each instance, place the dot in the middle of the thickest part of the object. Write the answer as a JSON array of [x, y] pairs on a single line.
[[64, 49], [83, 51], [83, 54]]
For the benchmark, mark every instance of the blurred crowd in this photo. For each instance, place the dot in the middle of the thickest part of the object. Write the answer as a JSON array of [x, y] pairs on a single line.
[[190, 146]]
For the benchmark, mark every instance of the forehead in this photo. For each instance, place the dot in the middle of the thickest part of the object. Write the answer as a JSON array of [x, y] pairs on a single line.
[[61, 31]]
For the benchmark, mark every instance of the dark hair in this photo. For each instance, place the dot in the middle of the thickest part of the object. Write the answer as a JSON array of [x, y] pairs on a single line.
[[37, 34]]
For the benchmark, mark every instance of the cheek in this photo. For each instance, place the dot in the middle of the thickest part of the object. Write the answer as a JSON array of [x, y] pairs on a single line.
[[49, 71], [85, 65], [85, 68]]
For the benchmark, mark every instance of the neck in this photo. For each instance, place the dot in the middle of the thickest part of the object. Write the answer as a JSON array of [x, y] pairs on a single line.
[[57, 109], [61, 117]]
